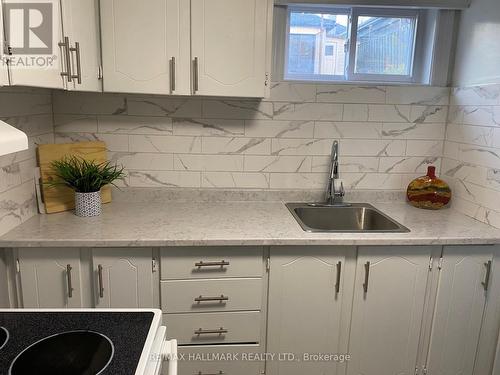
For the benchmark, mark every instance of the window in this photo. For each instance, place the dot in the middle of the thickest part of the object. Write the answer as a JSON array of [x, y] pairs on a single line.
[[356, 44], [329, 50]]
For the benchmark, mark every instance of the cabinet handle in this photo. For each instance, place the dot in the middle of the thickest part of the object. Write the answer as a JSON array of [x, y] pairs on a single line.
[[367, 276], [220, 264], [219, 331], [70, 283], [172, 74], [486, 281], [210, 373], [99, 276], [208, 299], [67, 56], [78, 75], [339, 272], [195, 75]]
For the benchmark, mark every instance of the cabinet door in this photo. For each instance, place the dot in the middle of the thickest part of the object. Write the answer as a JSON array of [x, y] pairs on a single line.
[[229, 47], [306, 306], [140, 41], [123, 278], [459, 309], [21, 70], [389, 297], [45, 281], [4, 73], [81, 25]]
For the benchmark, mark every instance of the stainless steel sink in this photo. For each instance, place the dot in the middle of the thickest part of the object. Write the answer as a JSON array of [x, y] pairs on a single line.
[[359, 217]]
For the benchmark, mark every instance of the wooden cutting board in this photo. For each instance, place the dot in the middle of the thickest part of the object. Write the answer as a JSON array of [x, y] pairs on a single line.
[[61, 198]]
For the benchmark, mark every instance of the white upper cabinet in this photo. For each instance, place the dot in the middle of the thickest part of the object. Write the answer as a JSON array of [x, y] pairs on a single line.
[[47, 72], [4, 73], [145, 46], [81, 28], [124, 278], [186, 47], [462, 294], [166, 47], [50, 278], [229, 47], [387, 310], [310, 294]]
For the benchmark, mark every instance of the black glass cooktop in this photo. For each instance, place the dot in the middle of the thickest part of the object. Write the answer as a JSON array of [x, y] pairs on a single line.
[[4, 337], [85, 352], [72, 343]]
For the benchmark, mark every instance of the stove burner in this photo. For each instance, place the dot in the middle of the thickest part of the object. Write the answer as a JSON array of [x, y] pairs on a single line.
[[4, 337], [67, 353]]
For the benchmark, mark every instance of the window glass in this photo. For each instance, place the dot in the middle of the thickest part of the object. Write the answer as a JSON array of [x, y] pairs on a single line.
[[356, 44], [384, 45], [316, 43]]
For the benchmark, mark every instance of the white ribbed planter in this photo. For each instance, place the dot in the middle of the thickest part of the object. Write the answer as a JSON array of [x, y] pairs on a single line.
[[88, 204]]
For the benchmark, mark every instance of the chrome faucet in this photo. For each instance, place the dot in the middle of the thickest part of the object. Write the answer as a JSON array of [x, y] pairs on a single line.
[[335, 194]]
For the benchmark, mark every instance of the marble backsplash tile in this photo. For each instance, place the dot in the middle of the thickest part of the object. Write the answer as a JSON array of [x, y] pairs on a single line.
[[31, 111], [388, 135], [472, 151]]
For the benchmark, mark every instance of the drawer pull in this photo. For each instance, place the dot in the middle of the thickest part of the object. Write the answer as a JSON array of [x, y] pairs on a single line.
[[219, 331], [221, 299], [367, 277], [99, 279], [486, 281], [210, 373], [70, 283], [337, 283], [220, 264]]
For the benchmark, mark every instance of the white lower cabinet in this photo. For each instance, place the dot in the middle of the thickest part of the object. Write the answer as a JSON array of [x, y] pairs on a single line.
[[496, 365], [463, 291], [214, 304], [124, 278], [221, 360], [183, 296], [50, 278], [215, 328], [388, 308], [395, 310], [310, 291], [73, 277]]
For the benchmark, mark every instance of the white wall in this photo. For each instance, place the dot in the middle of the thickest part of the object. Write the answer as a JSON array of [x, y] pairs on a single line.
[[478, 50], [471, 161], [31, 111]]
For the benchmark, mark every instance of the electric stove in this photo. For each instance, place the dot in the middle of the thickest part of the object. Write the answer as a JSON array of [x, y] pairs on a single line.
[[84, 342]]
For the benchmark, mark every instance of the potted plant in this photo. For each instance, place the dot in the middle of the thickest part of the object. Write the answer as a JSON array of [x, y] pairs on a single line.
[[86, 178]]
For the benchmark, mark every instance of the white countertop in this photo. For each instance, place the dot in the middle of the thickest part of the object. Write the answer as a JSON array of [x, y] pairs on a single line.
[[172, 223]]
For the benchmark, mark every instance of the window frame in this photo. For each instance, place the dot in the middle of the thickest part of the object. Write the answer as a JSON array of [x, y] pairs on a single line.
[[350, 76]]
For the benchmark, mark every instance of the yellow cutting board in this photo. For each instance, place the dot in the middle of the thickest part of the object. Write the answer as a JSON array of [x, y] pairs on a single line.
[[61, 198]]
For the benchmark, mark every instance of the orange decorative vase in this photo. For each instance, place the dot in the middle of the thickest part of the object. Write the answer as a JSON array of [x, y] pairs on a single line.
[[428, 191]]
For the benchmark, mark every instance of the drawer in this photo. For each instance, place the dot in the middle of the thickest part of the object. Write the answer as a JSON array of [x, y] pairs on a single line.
[[221, 359], [211, 262], [179, 296], [214, 328]]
